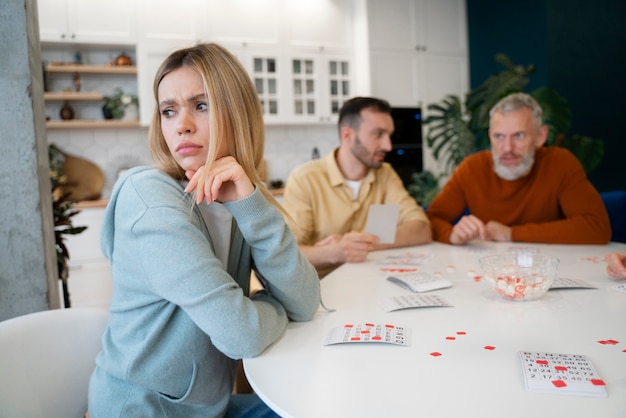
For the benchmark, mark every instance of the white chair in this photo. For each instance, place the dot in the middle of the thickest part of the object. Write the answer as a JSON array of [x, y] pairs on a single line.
[[46, 360]]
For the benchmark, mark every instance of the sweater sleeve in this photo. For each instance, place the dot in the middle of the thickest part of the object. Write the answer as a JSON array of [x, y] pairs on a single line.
[[290, 277], [584, 218], [161, 234], [448, 205]]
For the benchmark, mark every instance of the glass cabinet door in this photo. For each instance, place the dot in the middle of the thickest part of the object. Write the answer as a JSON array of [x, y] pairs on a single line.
[[265, 76], [304, 86], [320, 86], [339, 88]]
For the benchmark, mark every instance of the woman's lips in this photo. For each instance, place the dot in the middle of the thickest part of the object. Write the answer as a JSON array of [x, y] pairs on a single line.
[[187, 148]]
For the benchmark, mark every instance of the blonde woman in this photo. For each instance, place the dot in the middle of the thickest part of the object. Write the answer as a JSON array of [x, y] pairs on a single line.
[[182, 252]]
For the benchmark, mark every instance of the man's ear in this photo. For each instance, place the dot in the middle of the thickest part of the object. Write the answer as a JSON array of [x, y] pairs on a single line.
[[542, 135], [345, 133]]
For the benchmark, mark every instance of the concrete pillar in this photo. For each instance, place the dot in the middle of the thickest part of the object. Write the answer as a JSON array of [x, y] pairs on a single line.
[[28, 276]]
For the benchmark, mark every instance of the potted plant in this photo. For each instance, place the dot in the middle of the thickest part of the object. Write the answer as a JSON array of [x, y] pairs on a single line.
[[63, 211], [457, 129], [117, 104]]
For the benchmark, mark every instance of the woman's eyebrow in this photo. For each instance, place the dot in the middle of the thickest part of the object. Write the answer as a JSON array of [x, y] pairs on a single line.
[[197, 97], [166, 102]]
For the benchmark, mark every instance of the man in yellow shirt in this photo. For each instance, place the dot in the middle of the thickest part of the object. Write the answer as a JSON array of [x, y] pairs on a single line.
[[329, 199]]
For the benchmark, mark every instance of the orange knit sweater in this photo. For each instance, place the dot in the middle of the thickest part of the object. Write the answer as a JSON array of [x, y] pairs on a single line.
[[554, 203]]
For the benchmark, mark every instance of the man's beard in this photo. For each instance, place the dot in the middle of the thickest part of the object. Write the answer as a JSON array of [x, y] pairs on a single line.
[[363, 155], [507, 173]]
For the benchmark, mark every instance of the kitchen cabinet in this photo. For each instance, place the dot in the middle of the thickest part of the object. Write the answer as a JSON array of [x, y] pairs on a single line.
[[265, 71], [424, 57], [83, 86], [90, 281], [319, 24], [437, 26], [319, 84], [271, 38], [267, 68], [176, 23], [87, 21], [243, 22]]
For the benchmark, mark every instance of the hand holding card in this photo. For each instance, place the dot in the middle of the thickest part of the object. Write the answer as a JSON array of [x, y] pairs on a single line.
[[382, 221]]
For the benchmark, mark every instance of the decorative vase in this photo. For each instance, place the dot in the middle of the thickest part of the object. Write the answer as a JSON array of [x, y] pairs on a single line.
[[67, 113], [122, 59], [106, 113], [131, 112]]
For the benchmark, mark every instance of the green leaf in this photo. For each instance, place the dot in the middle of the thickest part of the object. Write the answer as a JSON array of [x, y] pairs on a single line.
[[589, 151]]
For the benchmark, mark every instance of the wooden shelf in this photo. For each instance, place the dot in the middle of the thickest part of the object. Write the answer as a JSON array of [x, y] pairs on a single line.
[[83, 124], [87, 204], [72, 95], [59, 68]]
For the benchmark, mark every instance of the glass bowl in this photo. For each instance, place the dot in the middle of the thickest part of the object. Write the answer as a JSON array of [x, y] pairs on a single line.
[[519, 277]]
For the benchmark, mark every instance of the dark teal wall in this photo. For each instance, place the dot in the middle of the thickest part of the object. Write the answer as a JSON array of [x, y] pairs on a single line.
[[579, 49]]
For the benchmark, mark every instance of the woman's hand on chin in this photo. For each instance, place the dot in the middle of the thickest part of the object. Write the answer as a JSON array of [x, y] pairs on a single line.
[[225, 180]]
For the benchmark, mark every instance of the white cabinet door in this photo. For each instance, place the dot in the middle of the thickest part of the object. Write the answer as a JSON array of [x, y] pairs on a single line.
[[87, 21], [243, 21], [53, 23], [150, 55], [320, 23], [392, 24], [423, 58], [319, 85], [96, 21], [180, 22], [267, 69], [85, 247], [418, 25], [442, 28], [396, 77]]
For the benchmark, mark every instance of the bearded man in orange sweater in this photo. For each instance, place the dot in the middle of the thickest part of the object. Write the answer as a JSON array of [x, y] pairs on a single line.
[[519, 190]]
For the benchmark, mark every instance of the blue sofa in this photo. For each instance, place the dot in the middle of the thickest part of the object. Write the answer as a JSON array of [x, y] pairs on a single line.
[[615, 203]]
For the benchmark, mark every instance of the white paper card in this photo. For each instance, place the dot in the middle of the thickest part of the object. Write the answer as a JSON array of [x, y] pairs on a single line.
[[413, 301], [567, 283], [407, 259], [564, 374], [369, 333], [419, 281], [382, 221], [620, 287]]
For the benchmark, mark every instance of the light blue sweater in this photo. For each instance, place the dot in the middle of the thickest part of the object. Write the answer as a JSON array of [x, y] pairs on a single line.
[[178, 319]]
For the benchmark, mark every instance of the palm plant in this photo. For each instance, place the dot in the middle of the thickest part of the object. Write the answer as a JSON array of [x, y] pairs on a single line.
[[63, 211], [454, 132]]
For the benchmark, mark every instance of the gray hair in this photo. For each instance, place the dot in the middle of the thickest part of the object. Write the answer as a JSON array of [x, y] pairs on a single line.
[[516, 101]]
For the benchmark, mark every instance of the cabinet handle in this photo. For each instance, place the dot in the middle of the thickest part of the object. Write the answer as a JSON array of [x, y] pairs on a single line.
[[73, 36]]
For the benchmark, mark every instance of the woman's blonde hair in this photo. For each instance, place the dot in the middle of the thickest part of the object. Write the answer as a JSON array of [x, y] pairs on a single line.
[[235, 114]]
